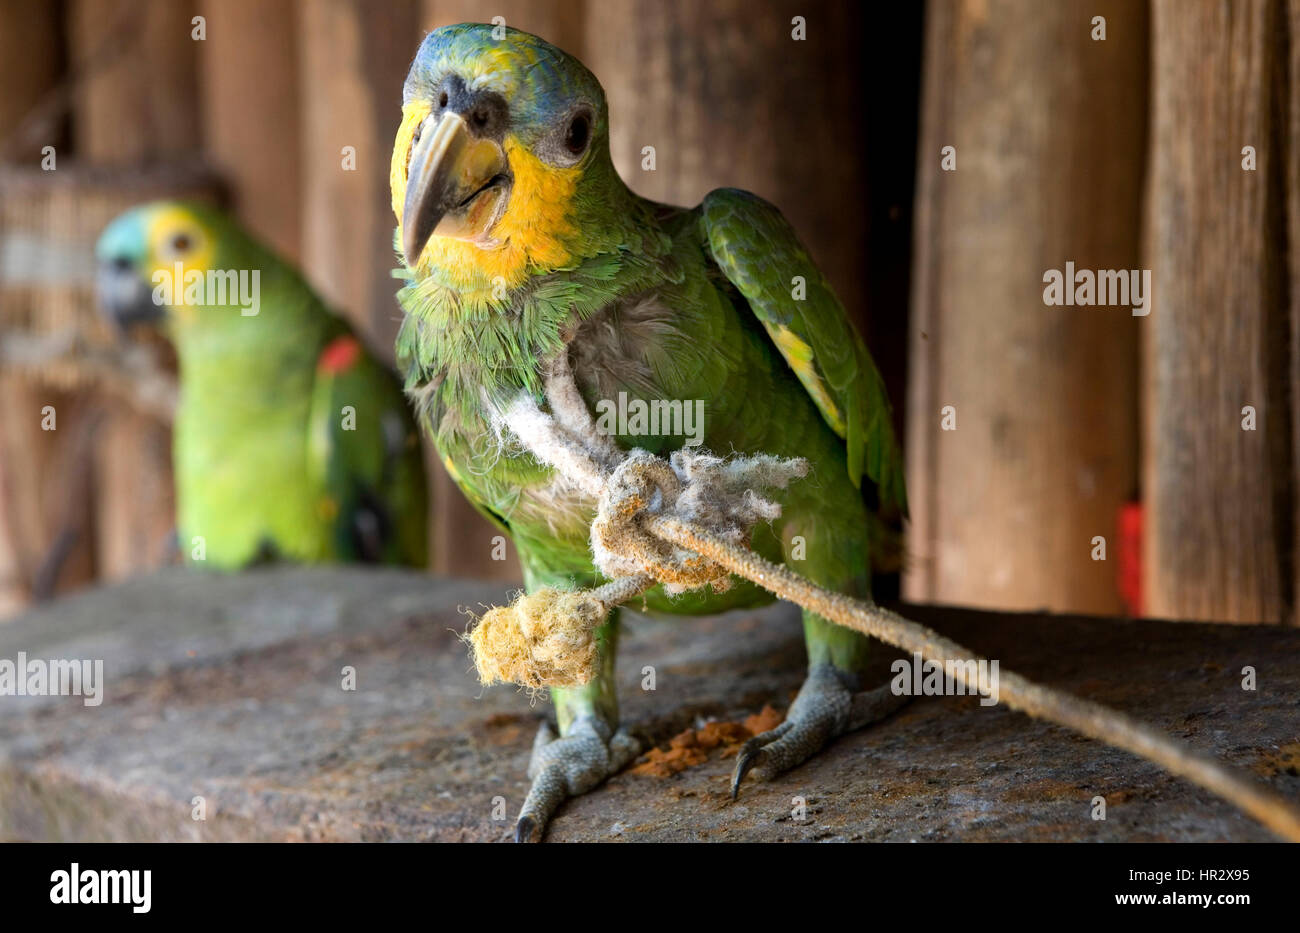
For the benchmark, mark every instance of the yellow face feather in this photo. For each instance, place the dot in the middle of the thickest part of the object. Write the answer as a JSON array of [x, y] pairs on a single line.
[[533, 230], [165, 225]]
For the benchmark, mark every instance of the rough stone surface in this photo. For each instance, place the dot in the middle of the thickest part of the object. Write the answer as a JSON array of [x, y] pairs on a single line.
[[229, 688]]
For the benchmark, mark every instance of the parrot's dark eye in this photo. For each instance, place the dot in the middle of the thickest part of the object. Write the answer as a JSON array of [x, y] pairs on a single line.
[[578, 134], [568, 139], [442, 100], [179, 244]]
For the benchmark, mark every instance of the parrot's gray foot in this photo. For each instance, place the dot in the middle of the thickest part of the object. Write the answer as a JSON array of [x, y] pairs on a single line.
[[827, 707], [566, 767]]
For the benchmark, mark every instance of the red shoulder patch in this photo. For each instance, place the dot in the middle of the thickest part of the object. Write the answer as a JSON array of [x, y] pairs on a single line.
[[339, 354]]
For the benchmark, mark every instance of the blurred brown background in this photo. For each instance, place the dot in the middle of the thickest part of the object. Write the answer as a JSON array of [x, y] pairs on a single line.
[[1122, 152]]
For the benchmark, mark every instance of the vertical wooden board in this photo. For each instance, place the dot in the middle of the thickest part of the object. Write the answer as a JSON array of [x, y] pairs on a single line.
[[1220, 499], [1292, 192], [141, 100], [45, 482], [138, 104], [29, 67], [920, 570], [30, 61], [353, 63], [1048, 128], [134, 496], [34, 500], [465, 544], [248, 75]]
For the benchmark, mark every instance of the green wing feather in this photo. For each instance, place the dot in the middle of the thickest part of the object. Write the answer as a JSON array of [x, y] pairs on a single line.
[[364, 453], [759, 252]]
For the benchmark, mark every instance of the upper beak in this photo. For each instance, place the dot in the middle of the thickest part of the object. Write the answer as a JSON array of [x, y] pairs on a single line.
[[456, 186]]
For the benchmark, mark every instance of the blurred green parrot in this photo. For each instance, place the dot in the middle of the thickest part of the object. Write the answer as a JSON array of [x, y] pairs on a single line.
[[291, 441], [521, 247]]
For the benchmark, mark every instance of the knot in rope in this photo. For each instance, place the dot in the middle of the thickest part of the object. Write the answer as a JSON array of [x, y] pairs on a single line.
[[714, 494]]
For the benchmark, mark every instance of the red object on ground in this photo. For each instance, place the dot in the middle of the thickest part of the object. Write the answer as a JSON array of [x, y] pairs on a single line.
[[1129, 564], [339, 354]]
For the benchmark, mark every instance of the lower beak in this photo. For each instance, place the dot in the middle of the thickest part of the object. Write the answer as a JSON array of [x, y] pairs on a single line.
[[457, 186]]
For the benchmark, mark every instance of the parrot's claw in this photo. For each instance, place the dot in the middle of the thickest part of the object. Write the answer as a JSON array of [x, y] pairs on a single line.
[[565, 767], [524, 829], [826, 707]]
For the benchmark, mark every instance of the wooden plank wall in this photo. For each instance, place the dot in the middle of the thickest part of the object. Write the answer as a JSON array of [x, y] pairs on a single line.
[[1114, 154], [252, 122], [1048, 130]]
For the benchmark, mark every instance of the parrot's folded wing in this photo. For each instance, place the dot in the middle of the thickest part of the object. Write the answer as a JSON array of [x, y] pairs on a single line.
[[758, 251], [364, 455]]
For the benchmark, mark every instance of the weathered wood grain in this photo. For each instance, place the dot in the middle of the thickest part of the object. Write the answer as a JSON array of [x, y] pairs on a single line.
[[249, 92], [1048, 128], [1220, 499]]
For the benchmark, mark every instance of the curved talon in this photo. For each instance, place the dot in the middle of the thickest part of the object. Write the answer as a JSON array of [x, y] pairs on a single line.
[[826, 708], [566, 766], [749, 753]]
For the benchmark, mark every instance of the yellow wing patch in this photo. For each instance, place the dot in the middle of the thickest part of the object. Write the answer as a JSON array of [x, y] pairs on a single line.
[[799, 355], [450, 468]]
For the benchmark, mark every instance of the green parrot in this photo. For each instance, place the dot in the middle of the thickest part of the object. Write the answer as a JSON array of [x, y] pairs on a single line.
[[523, 247], [291, 441]]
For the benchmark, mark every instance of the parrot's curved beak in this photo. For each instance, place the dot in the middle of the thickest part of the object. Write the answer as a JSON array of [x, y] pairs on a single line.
[[124, 297], [457, 186]]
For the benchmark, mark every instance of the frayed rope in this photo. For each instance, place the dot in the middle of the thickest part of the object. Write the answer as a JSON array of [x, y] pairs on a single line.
[[711, 493], [686, 522]]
